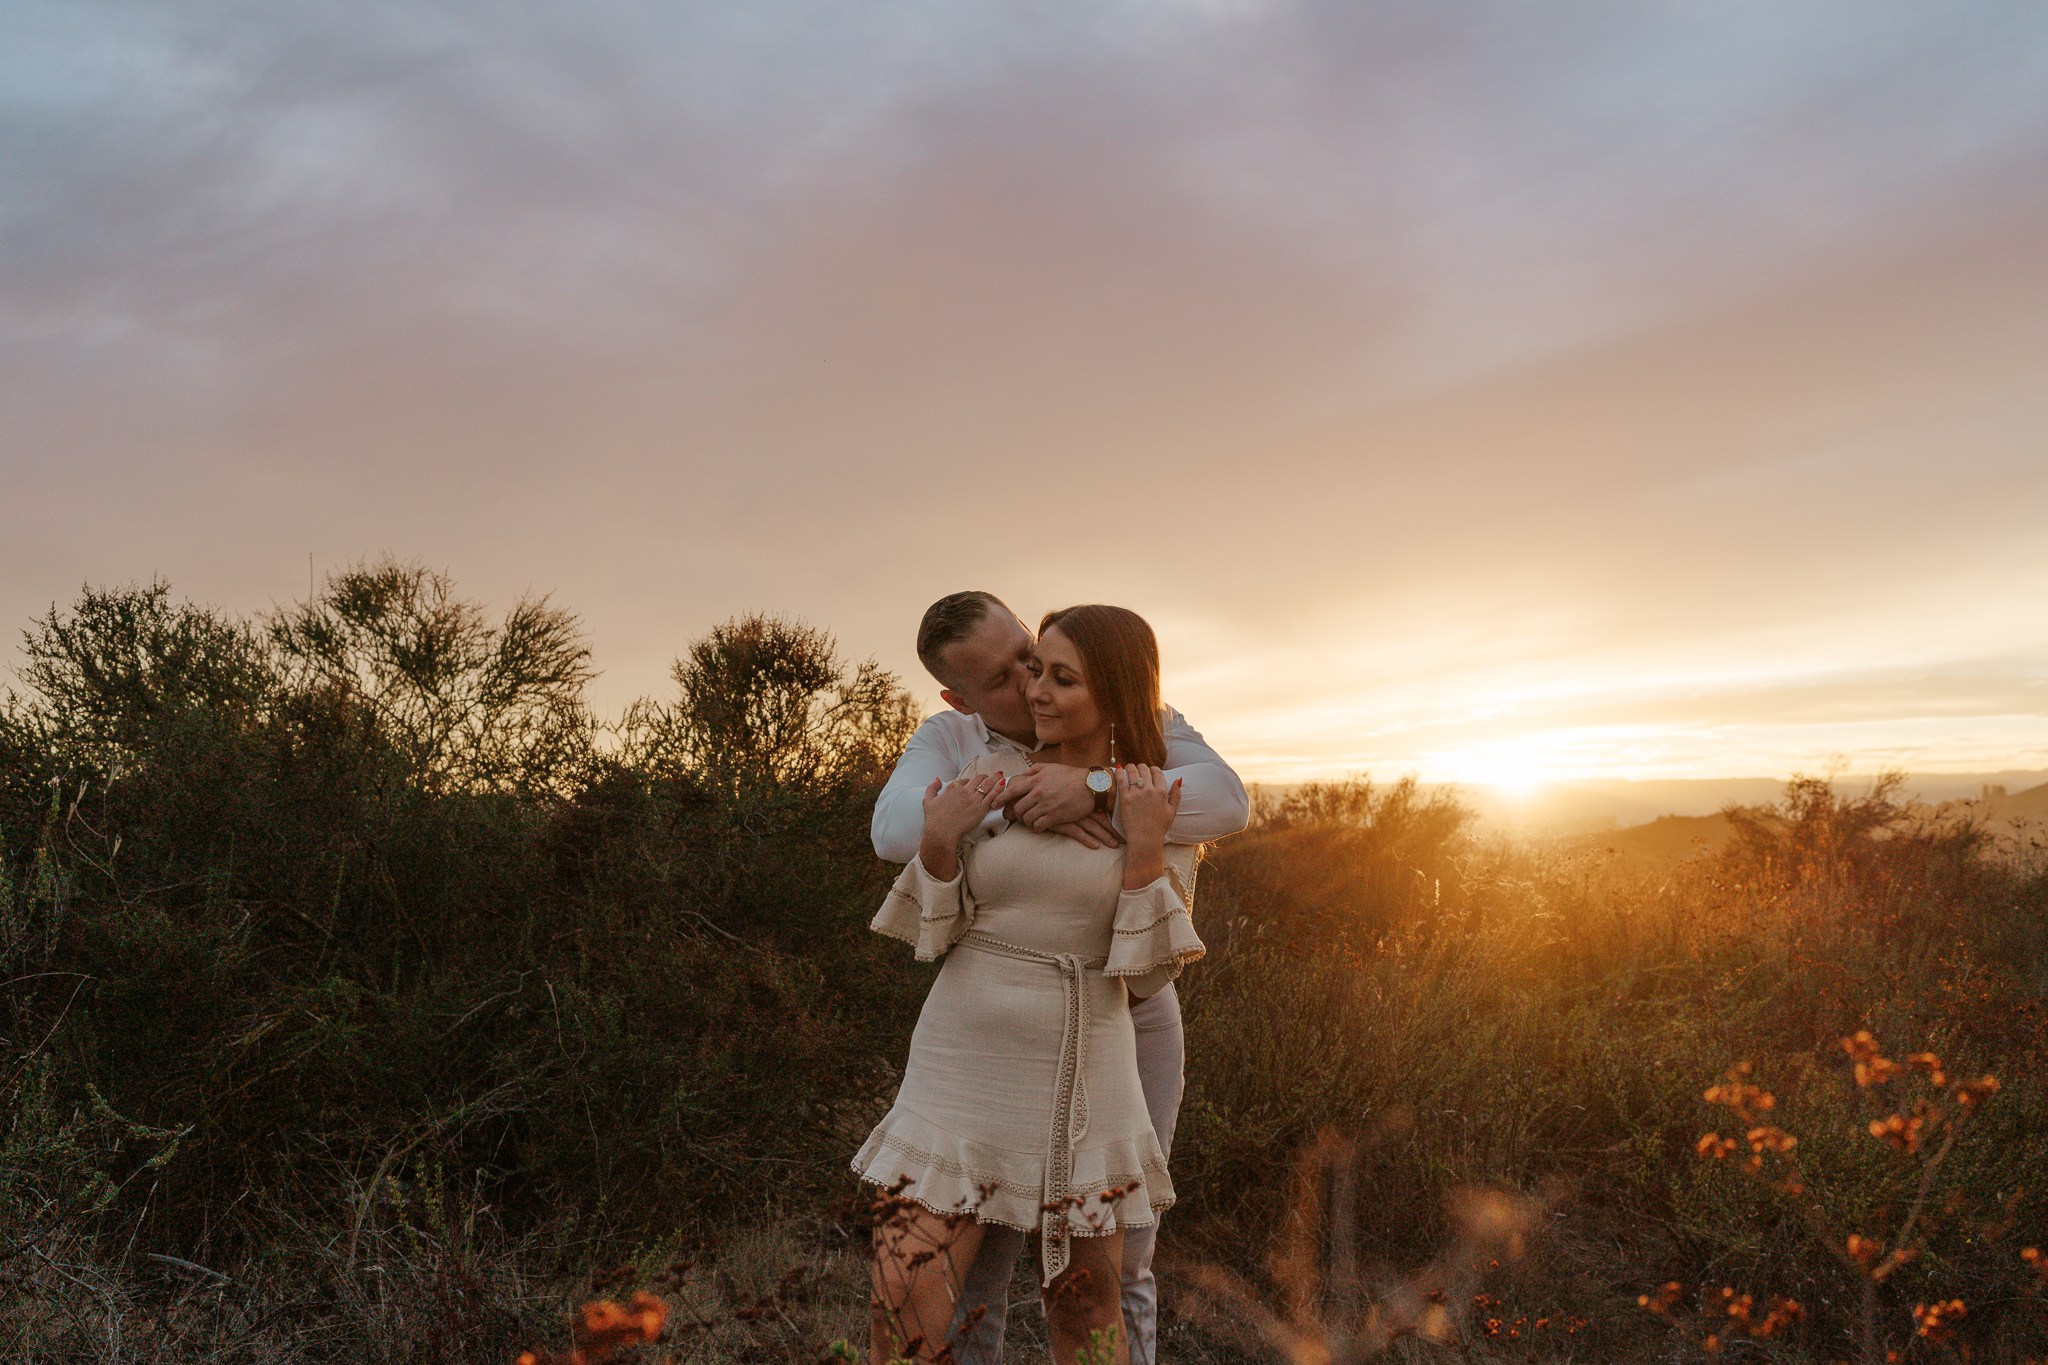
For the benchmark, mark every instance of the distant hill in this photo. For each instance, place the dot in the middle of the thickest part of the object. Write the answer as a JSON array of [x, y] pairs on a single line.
[[1666, 840], [1655, 823], [1587, 806], [2019, 820], [2030, 804]]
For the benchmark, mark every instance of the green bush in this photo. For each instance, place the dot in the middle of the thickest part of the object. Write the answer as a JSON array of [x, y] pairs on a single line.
[[358, 881]]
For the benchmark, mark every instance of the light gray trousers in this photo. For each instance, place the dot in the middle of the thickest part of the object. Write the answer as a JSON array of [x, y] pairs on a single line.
[[1161, 1053]]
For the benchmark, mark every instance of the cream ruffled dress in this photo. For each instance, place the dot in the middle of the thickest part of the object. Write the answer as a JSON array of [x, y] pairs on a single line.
[[1020, 1099]]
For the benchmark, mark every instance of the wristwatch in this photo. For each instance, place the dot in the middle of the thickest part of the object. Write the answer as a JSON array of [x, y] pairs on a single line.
[[1099, 783]]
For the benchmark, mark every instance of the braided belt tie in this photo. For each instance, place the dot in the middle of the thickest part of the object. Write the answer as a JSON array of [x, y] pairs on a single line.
[[1070, 1093]]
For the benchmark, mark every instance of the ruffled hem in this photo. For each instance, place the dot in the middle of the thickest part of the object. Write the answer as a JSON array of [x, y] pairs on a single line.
[[949, 1174], [928, 914]]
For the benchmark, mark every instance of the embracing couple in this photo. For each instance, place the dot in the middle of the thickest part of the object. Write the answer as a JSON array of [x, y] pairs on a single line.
[[1050, 822]]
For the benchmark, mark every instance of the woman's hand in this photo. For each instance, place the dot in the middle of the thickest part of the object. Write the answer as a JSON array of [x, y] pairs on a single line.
[[1146, 803], [951, 811]]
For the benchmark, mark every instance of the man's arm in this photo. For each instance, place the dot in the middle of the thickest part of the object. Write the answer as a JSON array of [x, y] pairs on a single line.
[[936, 752], [1212, 799]]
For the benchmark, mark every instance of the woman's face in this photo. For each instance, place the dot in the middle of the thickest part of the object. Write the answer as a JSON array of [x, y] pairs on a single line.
[[1061, 706]]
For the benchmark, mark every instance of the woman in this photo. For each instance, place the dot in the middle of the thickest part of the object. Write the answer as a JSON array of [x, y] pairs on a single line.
[[1020, 1101]]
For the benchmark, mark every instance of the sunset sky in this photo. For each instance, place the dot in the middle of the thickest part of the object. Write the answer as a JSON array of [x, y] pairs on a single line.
[[1489, 390]]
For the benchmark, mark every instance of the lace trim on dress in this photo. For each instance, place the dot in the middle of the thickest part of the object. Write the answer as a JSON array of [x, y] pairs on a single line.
[[928, 914], [1153, 933], [951, 1175]]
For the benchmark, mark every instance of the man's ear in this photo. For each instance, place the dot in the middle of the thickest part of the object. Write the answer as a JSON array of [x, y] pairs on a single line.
[[952, 699]]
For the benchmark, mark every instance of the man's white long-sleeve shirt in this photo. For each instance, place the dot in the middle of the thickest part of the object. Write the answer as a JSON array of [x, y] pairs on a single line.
[[1212, 799]]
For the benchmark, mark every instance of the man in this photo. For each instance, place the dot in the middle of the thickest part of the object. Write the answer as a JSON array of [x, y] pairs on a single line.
[[979, 652]]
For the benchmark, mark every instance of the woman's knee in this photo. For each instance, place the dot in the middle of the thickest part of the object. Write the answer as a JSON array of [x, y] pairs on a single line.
[[920, 1248], [1089, 1293]]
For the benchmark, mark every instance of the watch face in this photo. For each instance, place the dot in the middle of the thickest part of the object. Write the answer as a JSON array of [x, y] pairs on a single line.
[[1098, 779]]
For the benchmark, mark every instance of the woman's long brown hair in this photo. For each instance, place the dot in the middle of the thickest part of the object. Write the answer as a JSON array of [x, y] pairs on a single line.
[[1121, 658]]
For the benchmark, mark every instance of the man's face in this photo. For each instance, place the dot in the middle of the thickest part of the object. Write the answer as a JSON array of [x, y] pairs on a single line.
[[990, 667]]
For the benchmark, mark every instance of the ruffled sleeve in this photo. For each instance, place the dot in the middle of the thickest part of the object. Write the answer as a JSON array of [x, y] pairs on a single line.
[[928, 914], [1155, 935]]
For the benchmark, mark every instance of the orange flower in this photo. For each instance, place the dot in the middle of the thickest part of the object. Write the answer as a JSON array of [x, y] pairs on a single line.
[[605, 1328], [1715, 1146], [1970, 1094], [1937, 1320], [1738, 1094], [1783, 1312], [1666, 1297], [1903, 1134]]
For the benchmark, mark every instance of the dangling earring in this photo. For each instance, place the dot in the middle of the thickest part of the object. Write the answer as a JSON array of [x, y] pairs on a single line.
[[1112, 744]]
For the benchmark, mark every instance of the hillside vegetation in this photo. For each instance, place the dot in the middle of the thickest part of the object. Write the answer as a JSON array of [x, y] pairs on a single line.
[[367, 999]]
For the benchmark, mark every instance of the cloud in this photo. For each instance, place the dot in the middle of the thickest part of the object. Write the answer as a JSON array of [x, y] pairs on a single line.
[[1381, 351], [464, 156]]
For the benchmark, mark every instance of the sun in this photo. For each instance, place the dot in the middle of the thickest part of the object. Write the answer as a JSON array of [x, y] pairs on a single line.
[[1510, 772]]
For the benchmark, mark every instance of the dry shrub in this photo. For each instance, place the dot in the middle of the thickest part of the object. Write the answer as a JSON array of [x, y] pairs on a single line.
[[341, 928]]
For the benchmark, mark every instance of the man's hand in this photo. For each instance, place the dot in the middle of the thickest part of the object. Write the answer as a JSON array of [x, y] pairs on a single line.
[[1092, 829], [1046, 796]]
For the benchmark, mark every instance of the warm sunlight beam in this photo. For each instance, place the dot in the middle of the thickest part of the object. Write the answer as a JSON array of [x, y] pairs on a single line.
[[1511, 771]]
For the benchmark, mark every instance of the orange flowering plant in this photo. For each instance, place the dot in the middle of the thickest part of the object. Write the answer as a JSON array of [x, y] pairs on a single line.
[[1924, 1130]]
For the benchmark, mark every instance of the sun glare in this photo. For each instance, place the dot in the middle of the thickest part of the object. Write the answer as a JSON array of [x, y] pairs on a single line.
[[1509, 772]]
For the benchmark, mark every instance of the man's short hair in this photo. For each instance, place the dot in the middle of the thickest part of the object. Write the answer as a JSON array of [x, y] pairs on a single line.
[[950, 619]]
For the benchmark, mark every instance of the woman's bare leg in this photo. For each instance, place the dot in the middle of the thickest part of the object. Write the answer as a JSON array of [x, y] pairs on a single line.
[[1087, 1299], [920, 1259]]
